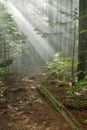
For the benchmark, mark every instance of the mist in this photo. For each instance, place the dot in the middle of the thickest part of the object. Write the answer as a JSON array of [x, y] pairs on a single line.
[[47, 28]]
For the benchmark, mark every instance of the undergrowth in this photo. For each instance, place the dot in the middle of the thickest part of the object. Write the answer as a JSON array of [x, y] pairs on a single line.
[[3, 89], [77, 87], [60, 67]]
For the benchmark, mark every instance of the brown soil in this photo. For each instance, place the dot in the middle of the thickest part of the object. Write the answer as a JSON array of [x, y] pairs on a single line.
[[79, 110], [28, 110]]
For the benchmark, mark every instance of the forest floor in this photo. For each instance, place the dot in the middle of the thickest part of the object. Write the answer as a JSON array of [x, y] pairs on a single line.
[[26, 109]]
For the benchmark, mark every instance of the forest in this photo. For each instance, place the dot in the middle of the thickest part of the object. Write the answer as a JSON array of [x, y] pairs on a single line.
[[43, 65]]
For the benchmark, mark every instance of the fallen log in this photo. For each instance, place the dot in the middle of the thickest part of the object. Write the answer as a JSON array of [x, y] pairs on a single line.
[[69, 118]]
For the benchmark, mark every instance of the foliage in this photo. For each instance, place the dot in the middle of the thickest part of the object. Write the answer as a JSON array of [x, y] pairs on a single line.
[[60, 67], [62, 84], [3, 89], [47, 34], [2, 70], [11, 39], [9, 27], [77, 87]]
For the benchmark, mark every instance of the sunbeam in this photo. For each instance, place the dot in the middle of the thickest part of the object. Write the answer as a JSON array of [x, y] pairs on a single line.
[[46, 26]]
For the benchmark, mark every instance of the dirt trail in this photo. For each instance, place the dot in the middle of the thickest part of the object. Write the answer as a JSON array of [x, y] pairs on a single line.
[[26, 109]]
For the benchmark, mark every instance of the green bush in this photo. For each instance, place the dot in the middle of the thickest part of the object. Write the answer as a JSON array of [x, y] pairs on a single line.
[[77, 87], [61, 66]]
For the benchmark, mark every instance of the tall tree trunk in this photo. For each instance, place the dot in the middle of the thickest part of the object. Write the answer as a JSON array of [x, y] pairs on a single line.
[[82, 54]]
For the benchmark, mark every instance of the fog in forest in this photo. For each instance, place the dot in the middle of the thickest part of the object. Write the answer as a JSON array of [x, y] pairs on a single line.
[[49, 27]]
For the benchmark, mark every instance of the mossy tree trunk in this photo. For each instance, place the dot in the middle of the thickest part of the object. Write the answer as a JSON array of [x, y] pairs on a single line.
[[82, 50]]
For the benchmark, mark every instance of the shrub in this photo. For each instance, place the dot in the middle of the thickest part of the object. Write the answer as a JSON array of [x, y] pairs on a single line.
[[77, 87], [61, 66]]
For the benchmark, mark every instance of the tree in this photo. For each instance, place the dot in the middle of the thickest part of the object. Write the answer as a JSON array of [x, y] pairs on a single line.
[[11, 40], [82, 48]]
